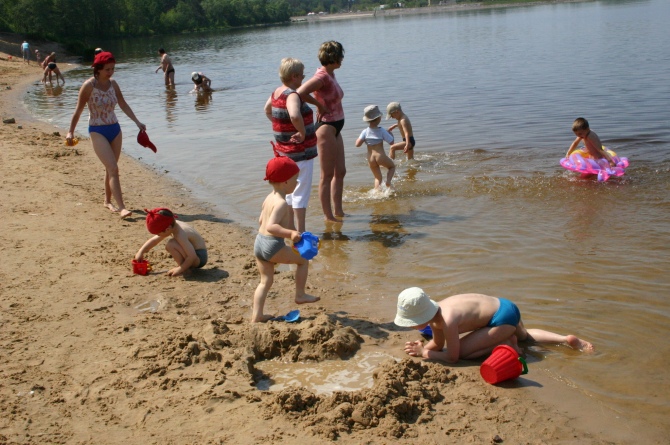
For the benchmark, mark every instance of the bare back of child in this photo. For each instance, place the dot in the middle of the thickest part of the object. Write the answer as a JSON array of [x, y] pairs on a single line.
[[486, 322], [275, 225]]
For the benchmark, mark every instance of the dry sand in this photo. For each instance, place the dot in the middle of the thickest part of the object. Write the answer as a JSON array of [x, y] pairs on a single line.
[[83, 361]]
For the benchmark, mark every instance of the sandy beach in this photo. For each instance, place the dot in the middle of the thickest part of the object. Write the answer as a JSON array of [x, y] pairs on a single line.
[[92, 353]]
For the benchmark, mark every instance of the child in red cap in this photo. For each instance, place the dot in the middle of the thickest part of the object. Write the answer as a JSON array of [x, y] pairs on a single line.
[[186, 246], [276, 224]]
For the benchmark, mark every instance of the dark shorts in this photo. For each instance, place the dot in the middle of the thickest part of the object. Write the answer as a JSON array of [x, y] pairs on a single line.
[[411, 141], [110, 132], [171, 70], [337, 125], [202, 256], [51, 66], [507, 313]]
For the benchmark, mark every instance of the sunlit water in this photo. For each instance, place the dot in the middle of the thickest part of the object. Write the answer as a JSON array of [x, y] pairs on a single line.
[[486, 207]]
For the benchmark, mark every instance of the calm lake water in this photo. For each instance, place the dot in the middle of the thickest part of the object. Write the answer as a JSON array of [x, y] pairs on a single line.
[[492, 95]]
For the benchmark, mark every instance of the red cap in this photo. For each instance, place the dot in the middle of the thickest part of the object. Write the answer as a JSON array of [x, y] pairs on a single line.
[[281, 169], [157, 222], [103, 58], [143, 140]]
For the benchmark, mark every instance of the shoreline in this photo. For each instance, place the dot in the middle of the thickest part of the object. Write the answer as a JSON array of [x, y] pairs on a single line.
[[85, 361], [452, 6]]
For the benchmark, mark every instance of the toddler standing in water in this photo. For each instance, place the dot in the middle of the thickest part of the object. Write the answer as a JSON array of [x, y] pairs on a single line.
[[394, 110], [374, 136], [270, 248]]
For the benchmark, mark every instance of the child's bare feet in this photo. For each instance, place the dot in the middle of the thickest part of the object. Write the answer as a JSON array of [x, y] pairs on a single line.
[[579, 344], [306, 298], [111, 207], [263, 318], [125, 213]]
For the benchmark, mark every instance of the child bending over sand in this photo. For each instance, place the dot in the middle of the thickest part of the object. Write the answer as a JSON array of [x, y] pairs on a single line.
[[488, 322], [270, 248], [186, 246]]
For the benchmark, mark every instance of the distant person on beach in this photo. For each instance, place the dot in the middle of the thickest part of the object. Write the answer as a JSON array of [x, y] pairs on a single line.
[[394, 110], [187, 246], [591, 141], [374, 137], [97, 51], [48, 59], [486, 321], [269, 247], [330, 121], [38, 57], [201, 82], [25, 50], [51, 69], [294, 133], [101, 93], [166, 66]]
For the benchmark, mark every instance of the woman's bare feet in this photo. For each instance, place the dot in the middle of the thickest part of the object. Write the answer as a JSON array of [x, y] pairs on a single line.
[[579, 344], [263, 318], [125, 213], [306, 298], [111, 207]]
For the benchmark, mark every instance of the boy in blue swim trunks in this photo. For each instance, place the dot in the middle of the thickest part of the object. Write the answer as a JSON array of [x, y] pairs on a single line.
[[486, 322], [187, 247], [276, 224]]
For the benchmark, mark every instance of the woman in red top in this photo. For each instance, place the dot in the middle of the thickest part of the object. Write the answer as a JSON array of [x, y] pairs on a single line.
[[330, 122]]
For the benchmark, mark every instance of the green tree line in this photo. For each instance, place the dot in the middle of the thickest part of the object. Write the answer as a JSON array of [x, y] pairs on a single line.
[[77, 22]]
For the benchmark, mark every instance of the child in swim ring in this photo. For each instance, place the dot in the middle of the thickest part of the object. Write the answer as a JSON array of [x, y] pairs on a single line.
[[591, 141]]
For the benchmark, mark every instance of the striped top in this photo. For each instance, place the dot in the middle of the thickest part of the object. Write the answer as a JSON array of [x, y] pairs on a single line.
[[283, 128]]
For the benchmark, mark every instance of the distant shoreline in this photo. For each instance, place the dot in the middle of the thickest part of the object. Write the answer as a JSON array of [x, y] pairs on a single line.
[[451, 6]]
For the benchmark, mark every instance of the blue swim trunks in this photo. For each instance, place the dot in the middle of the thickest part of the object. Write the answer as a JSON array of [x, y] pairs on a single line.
[[507, 313], [110, 132]]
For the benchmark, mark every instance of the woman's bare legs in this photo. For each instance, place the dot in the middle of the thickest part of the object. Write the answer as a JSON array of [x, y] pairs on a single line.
[[337, 187], [326, 143], [109, 155]]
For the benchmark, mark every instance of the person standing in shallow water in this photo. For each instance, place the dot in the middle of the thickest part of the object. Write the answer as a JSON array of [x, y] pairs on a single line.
[[101, 93], [168, 69], [330, 121]]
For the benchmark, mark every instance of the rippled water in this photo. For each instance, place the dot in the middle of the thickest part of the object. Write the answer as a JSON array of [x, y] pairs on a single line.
[[492, 95]]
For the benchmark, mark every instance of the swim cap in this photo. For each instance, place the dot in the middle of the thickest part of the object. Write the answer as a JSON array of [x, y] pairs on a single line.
[[103, 58], [159, 219], [195, 77], [281, 169]]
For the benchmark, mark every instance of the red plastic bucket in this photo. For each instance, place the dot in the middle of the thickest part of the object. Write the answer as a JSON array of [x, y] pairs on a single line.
[[141, 267], [503, 364]]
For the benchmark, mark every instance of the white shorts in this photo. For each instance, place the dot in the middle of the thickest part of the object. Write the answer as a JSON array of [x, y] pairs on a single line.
[[300, 196]]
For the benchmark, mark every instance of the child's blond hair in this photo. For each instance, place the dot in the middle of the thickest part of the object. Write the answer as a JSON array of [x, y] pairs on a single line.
[[290, 67]]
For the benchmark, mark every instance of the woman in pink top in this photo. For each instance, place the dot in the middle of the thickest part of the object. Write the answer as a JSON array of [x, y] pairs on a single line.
[[330, 122]]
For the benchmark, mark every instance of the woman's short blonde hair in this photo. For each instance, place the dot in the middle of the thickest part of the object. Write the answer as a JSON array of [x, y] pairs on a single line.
[[290, 67], [331, 52]]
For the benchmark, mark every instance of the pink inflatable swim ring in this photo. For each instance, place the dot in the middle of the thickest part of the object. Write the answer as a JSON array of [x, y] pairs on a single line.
[[580, 161]]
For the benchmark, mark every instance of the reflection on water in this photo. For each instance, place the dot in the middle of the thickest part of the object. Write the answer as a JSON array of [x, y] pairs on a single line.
[[485, 207]]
